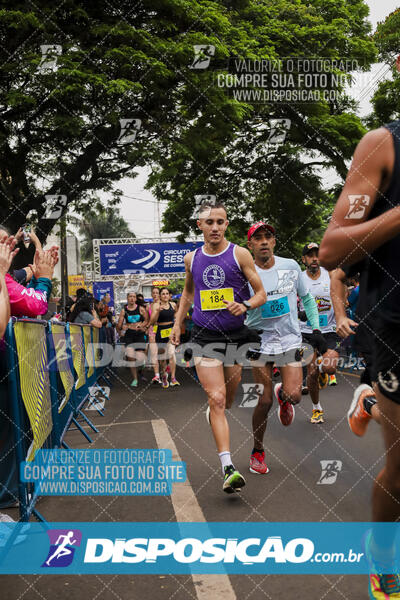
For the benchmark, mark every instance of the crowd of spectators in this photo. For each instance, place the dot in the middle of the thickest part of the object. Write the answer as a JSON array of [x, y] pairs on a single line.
[[23, 292]]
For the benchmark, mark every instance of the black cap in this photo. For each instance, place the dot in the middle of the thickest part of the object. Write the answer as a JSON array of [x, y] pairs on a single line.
[[308, 247]]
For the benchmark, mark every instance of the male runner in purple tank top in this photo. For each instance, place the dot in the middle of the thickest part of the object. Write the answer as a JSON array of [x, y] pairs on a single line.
[[365, 227], [217, 277]]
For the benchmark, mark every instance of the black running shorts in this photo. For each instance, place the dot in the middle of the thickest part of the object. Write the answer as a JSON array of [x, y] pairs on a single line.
[[227, 346], [386, 359]]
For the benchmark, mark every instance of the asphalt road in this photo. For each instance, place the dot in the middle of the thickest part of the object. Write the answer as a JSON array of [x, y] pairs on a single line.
[[289, 492]]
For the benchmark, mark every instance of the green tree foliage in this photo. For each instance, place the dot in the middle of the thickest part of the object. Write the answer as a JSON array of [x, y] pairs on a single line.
[[107, 223], [386, 99], [59, 126], [254, 178]]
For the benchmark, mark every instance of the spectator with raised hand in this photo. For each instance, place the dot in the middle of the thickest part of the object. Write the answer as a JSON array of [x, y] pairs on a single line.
[[17, 300], [8, 471], [30, 301], [7, 254], [23, 276]]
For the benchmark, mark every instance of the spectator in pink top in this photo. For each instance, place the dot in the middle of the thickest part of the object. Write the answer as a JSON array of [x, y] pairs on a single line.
[[32, 300]]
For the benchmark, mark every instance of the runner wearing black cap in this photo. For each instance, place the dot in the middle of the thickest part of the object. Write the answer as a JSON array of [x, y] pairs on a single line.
[[318, 281]]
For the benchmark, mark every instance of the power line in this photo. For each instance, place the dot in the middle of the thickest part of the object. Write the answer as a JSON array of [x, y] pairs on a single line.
[[143, 199]]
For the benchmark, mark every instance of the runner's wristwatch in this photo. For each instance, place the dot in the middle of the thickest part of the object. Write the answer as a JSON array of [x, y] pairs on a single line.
[[246, 304]]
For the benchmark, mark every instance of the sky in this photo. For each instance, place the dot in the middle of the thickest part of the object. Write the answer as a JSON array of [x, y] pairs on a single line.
[[139, 207]]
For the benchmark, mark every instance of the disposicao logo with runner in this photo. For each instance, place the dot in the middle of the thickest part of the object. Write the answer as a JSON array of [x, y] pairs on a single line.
[[63, 543]]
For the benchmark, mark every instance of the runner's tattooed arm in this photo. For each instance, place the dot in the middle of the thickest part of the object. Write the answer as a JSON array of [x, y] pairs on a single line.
[[344, 325], [185, 303], [350, 237], [246, 263]]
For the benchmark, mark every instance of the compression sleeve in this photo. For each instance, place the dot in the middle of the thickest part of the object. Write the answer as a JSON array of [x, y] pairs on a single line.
[[311, 308]]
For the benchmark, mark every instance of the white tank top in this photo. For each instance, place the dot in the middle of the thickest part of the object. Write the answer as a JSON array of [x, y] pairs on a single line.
[[321, 290]]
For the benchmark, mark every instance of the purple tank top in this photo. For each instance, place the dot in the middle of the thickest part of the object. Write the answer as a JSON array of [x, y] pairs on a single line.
[[218, 271]]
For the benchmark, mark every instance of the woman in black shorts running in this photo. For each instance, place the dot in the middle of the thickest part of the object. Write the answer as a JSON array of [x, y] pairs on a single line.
[[163, 314], [132, 322]]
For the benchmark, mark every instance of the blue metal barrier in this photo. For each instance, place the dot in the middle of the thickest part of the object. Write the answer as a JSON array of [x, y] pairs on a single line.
[[43, 393]]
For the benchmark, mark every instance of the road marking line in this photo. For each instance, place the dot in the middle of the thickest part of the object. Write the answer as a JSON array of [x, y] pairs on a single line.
[[182, 495]]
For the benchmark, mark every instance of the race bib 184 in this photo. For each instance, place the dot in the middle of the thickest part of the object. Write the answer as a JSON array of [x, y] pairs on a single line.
[[214, 299]]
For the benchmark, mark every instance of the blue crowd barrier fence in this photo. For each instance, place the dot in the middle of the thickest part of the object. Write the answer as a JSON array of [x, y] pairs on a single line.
[[49, 381]]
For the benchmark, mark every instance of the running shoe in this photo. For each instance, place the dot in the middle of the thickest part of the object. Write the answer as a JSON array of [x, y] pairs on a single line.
[[174, 382], [381, 586], [286, 410], [332, 380], [257, 463], [357, 416], [134, 383], [165, 384], [317, 416], [233, 480], [156, 379], [304, 390], [275, 372]]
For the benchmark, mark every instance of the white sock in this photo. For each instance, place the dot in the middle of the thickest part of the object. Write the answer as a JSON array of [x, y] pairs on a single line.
[[225, 458], [317, 406]]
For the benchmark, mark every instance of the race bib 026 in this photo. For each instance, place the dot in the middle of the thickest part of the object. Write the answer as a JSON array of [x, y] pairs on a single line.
[[275, 308], [214, 299]]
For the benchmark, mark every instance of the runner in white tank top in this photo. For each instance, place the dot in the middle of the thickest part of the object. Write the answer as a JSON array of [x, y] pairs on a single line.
[[322, 367]]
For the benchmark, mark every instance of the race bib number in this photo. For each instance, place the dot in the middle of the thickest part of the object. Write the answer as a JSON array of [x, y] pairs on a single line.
[[275, 308], [155, 327], [323, 321], [133, 318], [164, 333], [214, 299]]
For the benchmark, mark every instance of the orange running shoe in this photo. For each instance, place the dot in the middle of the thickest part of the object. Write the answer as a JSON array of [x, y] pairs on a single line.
[[357, 416]]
